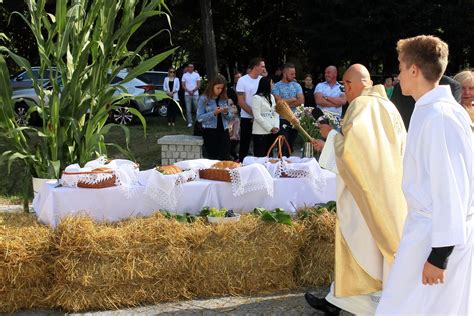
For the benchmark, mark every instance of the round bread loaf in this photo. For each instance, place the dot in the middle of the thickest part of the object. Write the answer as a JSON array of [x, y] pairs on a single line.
[[102, 170], [226, 164], [169, 169]]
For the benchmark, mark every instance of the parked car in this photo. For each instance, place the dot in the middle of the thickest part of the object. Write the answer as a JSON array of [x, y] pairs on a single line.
[[154, 77], [22, 79], [157, 78], [136, 87], [121, 115]]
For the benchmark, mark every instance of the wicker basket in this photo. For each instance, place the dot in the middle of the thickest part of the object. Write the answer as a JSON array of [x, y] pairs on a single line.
[[279, 142], [83, 181], [215, 174]]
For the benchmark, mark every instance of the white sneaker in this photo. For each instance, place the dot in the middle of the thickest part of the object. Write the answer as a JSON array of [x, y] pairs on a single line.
[[190, 125]]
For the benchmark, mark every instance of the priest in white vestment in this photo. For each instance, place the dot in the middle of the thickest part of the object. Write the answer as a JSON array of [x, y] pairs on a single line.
[[371, 208], [433, 269]]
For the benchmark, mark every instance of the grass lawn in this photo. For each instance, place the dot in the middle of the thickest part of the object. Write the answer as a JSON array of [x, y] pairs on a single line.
[[145, 150]]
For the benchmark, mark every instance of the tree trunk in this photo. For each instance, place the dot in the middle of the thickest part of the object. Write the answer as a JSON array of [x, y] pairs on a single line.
[[209, 39]]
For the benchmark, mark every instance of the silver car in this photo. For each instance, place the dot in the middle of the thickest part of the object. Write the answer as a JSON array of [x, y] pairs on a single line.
[[143, 100], [22, 80], [157, 79]]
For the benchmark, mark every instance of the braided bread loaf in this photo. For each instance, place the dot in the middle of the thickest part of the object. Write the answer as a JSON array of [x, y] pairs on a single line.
[[169, 169], [226, 164]]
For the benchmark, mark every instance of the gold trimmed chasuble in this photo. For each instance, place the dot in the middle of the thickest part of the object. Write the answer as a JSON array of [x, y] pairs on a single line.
[[371, 204]]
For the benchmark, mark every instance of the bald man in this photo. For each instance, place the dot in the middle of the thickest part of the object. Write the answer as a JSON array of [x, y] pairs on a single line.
[[328, 95], [371, 208]]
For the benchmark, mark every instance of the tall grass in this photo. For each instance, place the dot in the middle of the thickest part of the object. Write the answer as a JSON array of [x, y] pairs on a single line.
[[86, 41]]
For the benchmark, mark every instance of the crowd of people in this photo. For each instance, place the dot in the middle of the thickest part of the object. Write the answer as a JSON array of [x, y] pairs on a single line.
[[244, 127]]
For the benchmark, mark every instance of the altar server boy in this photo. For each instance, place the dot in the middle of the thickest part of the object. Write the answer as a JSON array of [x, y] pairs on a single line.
[[433, 269]]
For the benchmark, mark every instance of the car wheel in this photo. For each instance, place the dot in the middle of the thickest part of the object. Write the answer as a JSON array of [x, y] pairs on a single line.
[[162, 109], [122, 116], [22, 117], [21, 114]]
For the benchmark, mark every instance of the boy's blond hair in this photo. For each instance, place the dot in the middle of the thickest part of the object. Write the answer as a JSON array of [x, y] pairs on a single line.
[[427, 52]]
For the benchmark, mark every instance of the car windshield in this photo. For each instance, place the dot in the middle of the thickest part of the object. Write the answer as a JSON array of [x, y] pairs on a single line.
[[36, 74]]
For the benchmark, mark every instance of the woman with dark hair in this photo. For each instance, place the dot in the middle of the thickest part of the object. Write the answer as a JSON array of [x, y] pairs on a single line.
[[266, 121], [214, 114], [308, 91]]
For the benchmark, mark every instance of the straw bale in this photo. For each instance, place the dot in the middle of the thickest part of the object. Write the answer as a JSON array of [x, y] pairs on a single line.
[[25, 262], [246, 257], [15, 219], [82, 265], [13, 299], [316, 261], [107, 266]]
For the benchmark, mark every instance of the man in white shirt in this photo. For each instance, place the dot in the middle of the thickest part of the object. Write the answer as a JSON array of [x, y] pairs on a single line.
[[246, 88], [328, 95], [191, 82], [433, 269]]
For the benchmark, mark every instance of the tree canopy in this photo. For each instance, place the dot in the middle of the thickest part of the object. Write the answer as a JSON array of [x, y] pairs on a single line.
[[311, 34]]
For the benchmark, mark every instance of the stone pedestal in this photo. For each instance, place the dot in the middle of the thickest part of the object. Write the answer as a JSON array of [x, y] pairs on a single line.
[[176, 148]]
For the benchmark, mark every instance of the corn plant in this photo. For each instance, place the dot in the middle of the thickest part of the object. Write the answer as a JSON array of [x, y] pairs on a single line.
[[86, 42]]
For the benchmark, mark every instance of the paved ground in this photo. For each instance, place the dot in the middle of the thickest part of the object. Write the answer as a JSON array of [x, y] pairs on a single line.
[[277, 304], [12, 208]]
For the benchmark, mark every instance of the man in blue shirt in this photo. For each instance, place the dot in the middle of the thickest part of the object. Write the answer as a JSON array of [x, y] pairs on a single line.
[[328, 94], [289, 90]]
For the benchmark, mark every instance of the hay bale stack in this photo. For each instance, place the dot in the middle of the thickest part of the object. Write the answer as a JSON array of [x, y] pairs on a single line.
[[246, 257], [152, 260], [25, 262], [82, 265], [316, 262], [100, 266]]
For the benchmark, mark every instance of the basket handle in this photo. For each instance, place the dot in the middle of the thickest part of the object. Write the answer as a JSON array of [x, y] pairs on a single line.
[[279, 140]]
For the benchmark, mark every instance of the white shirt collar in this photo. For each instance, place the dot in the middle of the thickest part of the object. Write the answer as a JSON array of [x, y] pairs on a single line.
[[440, 93]]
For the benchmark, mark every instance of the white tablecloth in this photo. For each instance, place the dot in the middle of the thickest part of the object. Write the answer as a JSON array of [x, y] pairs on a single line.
[[112, 204]]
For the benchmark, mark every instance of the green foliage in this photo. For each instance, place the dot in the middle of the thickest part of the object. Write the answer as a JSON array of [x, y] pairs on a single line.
[[278, 215], [217, 212], [86, 41], [205, 211], [308, 122], [186, 218], [317, 209], [213, 211], [3, 37]]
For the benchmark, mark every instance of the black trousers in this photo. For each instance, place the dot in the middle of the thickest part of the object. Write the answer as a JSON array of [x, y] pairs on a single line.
[[290, 134], [172, 110], [245, 137], [262, 143], [233, 148], [216, 143]]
